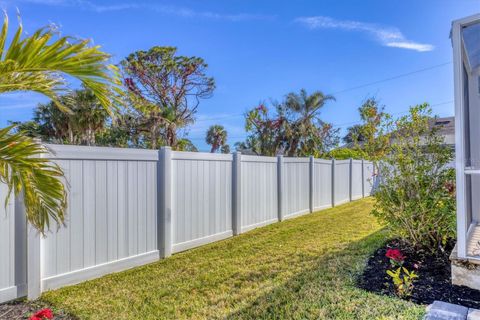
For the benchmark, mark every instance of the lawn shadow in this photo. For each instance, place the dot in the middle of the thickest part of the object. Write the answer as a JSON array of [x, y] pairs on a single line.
[[329, 290]]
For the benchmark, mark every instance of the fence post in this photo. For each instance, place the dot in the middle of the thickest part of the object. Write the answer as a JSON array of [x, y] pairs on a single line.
[[333, 182], [34, 253], [350, 178], [34, 258], [312, 183], [164, 221], [34, 281], [363, 178], [280, 186], [237, 194]]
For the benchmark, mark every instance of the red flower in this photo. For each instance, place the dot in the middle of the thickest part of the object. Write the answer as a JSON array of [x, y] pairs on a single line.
[[42, 314], [450, 186], [262, 108], [395, 255]]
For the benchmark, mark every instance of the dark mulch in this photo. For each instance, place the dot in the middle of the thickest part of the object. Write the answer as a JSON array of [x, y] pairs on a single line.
[[434, 282], [23, 309]]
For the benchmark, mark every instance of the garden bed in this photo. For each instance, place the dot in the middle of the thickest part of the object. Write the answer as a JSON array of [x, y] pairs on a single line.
[[434, 276], [23, 309]]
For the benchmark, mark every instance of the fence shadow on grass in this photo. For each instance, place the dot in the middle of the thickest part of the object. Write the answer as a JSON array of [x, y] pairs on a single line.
[[328, 290]]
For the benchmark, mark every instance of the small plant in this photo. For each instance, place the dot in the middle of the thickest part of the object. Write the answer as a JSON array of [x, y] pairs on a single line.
[[402, 278], [42, 314]]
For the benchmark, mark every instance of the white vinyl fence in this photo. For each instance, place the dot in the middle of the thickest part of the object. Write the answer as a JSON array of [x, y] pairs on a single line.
[[129, 207]]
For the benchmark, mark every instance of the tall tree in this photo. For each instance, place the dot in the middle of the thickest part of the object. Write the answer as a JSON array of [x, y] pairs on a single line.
[[37, 63], [354, 134], [216, 137], [166, 89], [295, 129], [266, 132], [88, 117], [85, 119], [374, 129], [302, 111]]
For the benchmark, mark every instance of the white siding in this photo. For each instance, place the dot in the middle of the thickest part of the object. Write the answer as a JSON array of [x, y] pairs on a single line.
[[322, 196], [259, 201], [296, 185]]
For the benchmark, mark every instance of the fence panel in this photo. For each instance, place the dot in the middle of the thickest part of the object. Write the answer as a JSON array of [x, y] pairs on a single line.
[[124, 205], [322, 197], [111, 215], [13, 282], [369, 178], [202, 198], [357, 176], [296, 186], [342, 181], [259, 201]]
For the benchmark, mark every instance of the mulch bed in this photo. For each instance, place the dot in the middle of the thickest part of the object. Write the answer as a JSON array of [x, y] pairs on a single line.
[[433, 283], [23, 309]]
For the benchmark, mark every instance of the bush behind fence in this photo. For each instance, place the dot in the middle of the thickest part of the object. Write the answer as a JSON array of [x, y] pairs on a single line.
[[129, 207]]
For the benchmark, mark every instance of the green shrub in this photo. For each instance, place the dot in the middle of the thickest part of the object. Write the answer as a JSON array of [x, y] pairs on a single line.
[[416, 196], [346, 153]]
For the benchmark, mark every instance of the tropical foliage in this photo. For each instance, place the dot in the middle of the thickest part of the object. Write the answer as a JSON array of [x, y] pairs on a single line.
[[85, 120], [217, 138], [416, 196], [346, 153], [354, 135], [295, 129], [373, 134], [165, 90], [37, 63]]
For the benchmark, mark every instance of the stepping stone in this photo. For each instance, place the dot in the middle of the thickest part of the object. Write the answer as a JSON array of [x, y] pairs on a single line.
[[439, 310], [473, 314]]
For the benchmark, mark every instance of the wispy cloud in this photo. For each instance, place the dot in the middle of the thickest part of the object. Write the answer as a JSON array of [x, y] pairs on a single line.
[[386, 36], [163, 9]]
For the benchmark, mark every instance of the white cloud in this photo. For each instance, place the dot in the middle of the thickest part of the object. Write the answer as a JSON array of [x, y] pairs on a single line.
[[411, 45], [164, 9], [387, 36]]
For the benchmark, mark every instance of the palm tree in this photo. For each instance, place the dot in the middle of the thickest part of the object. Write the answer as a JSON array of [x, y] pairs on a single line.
[[302, 111], [216, 137], [89, 117], [37, 63]]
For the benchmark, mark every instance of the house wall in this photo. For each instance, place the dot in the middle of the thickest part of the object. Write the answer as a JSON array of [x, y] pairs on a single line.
[[474, 108]]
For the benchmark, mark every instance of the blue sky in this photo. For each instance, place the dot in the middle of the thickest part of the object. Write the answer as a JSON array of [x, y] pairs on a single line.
[[261, 50]]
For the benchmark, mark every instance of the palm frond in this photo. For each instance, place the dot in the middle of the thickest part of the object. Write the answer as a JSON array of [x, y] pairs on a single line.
[[24, 170], [37, 63]]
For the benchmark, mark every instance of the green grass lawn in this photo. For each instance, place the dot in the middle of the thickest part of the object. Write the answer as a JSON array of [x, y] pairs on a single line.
[[304, 268]]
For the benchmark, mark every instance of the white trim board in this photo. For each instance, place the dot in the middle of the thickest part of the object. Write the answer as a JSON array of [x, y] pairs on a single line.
[[258, 225], [183, 246], [296, 214], [12, 293], [78, 276]]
